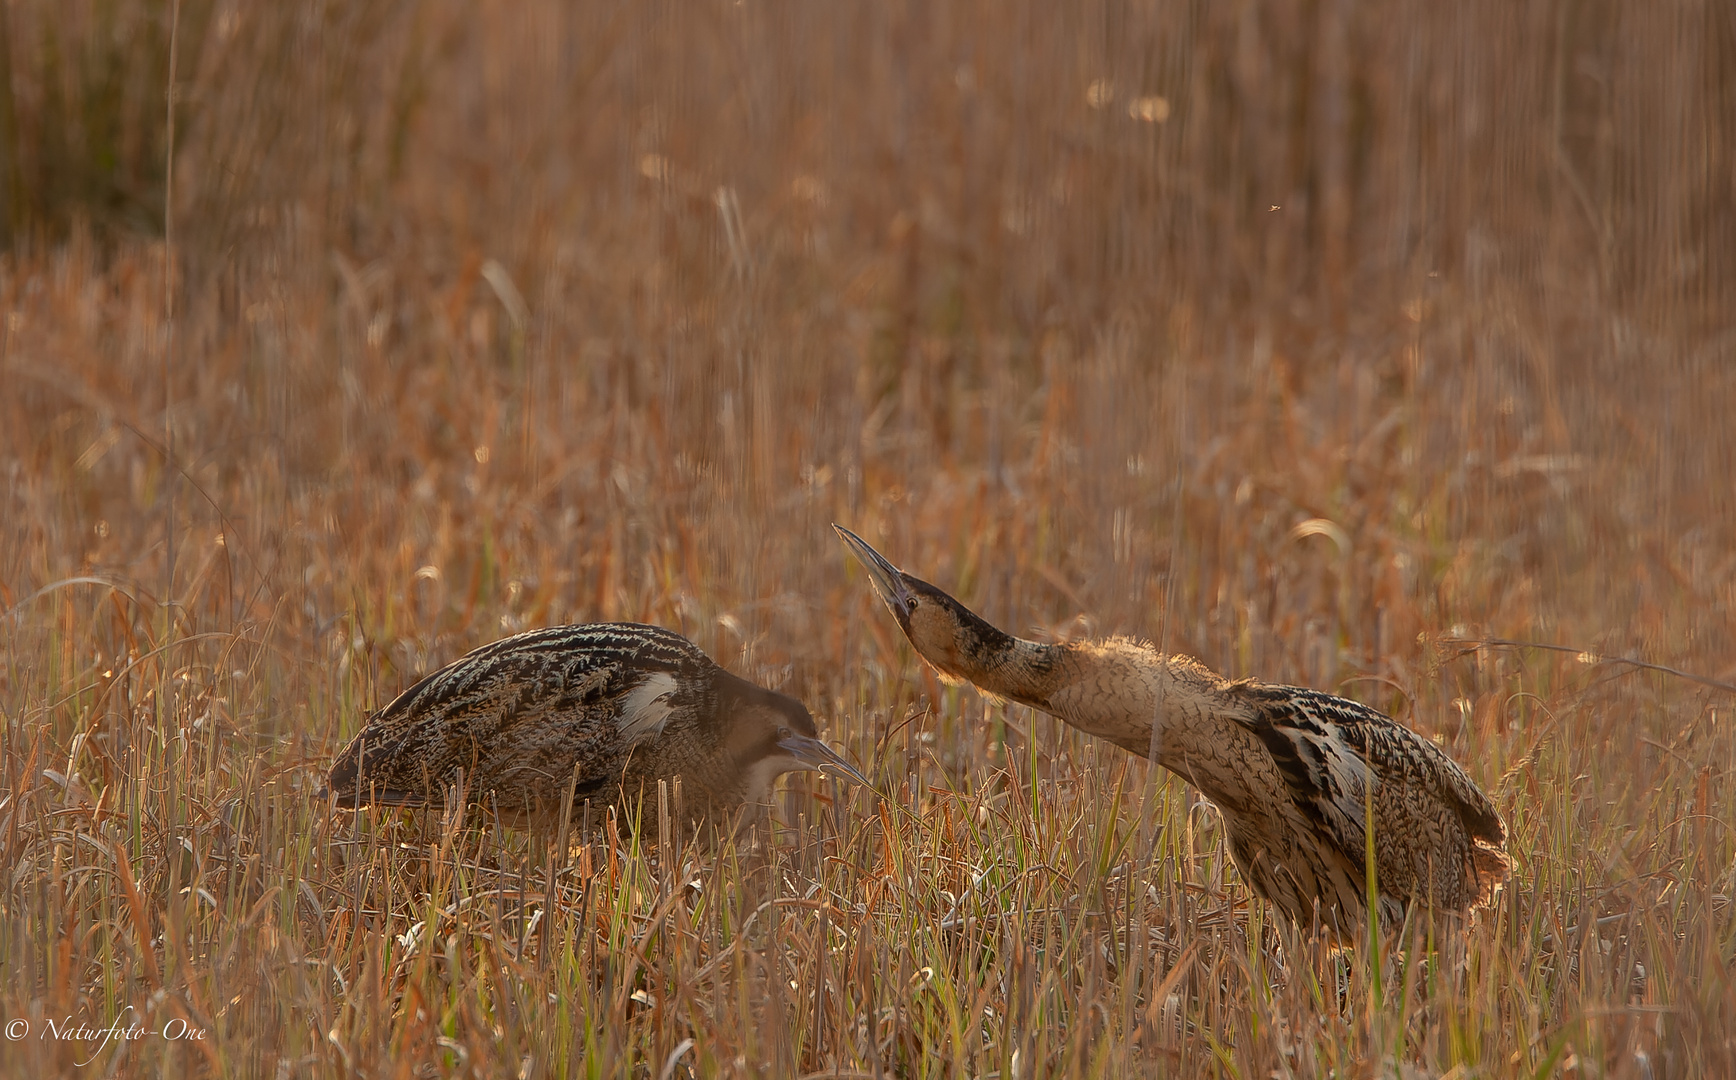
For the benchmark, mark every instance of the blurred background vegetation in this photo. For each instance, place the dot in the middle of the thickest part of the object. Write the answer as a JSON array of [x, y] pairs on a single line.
[[1276, 154]]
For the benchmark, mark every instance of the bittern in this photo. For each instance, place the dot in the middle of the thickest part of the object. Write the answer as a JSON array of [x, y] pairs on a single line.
[[1295, 773], [605, 710]]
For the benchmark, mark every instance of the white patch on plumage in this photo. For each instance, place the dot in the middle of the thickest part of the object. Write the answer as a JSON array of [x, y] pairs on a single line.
[[646, 708]]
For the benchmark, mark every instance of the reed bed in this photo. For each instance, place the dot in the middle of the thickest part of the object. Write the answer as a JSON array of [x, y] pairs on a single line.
[[1380, 349]]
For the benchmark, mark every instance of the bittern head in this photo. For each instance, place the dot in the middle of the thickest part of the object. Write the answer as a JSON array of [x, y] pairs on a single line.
[[952, 637], [768, 733]]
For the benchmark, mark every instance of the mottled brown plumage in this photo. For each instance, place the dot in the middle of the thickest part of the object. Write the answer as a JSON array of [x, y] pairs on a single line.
[[607, 709], [1291, 770]]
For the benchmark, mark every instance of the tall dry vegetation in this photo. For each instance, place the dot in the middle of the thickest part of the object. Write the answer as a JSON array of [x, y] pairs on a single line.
[[1310, 338]]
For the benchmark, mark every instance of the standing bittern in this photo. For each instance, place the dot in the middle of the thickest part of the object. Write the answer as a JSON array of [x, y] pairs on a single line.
[[1294, 772]]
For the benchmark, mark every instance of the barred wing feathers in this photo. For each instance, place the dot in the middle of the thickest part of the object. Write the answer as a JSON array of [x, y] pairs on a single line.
[[1328, 750], [517, 715]]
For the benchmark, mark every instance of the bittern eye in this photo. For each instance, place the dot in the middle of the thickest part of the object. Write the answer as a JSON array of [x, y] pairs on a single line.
[[910, 604]]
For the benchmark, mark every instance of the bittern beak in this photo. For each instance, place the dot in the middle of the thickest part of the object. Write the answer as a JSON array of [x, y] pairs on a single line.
[[816, 754], [888, 579]]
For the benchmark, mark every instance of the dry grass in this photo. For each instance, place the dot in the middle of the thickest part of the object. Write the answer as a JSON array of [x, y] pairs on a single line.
[[490, 321]]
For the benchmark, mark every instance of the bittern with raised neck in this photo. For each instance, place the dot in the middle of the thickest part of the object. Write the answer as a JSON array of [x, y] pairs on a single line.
[[597, 712], [1295, 773]]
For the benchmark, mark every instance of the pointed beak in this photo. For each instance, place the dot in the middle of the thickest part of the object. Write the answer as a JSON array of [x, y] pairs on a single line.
[[817, 755], [888, 579]]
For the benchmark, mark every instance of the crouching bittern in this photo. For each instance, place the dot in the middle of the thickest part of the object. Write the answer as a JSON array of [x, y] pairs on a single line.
[[1295, 773], [606, 709]]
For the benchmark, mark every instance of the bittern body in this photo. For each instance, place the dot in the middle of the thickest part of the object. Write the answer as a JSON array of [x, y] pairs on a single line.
[[598, 712]]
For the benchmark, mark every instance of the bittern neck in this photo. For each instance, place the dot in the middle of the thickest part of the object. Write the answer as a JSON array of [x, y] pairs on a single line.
[[1012, 668], [1116, 689]]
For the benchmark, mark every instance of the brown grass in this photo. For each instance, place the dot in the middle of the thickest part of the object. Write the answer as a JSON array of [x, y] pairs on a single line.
[[490, 320]]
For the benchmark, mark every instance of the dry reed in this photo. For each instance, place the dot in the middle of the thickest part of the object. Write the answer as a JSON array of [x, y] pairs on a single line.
[[1322, 342]]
